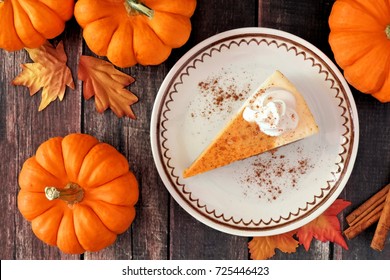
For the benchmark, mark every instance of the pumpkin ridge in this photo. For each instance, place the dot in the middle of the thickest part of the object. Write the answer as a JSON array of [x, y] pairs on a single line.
[[91, 206], [58, 227], [184, 13], [115, 54], [102, 17], [130, 191], [110, 203], [334, 39], [43, 4], [29, 217], [68, 6], [26, 12], [75, 235], [352, 75], [58, 161], [11, 7], [78, 173], [182, 25], [39, 233], [63, 161], [48, 172], [170, 13], [362, 8], [86, 242], [154, 32], [92, 73], [121, 205], [103, 146], [387, 64], [85, 204], [113, 179], [23, 10], [157, 35]]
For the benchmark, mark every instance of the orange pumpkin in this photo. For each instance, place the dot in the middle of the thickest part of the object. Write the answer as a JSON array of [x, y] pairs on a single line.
[[78, 193], [28, 23], [360, 40], [131, 31]]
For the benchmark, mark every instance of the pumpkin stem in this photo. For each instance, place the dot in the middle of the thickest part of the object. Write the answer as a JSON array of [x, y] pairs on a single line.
[[387, 31], [72, 193], [136, 7]]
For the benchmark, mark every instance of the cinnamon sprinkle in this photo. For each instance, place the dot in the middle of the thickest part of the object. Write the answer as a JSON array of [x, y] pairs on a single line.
[[220, 93], [274, 174]]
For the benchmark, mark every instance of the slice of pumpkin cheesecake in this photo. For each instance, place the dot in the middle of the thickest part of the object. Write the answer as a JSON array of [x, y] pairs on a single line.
[[276, 114]]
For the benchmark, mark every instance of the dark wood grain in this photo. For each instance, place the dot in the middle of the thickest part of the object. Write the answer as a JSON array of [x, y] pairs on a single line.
[[372, 168], [209, 19], [24, 129], [149, 237], [8, 149], [308, 20], [162, 229]]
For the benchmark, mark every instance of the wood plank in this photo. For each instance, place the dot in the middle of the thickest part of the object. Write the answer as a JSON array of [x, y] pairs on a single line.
[[304, 18], [147, 239], [162, 229], [24, 130], [8, 149], [371, 171], [291, 17], [190, 239], [309, 20], [150, 232]]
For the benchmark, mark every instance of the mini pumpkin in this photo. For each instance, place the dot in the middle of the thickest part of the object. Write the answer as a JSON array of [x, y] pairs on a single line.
[[78, 193], [360, 40], [26, 23], [128, 32]]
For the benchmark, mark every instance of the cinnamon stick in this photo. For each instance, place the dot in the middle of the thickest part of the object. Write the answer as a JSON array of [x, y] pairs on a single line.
[[368, 206], [364, 222], [383, 227], [366, 214]]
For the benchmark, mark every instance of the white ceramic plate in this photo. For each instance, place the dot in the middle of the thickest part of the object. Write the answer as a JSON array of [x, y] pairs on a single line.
[[274, 192]]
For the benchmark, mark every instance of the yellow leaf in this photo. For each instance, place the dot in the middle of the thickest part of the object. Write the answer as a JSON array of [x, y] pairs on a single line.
[[262, 248], [49, 72], [106, 83]]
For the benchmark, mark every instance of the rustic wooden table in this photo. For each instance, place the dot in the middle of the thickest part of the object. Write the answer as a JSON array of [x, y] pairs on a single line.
[[162, 229]]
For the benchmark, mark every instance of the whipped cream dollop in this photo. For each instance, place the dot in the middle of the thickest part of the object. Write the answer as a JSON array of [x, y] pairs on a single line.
[[273, 111]]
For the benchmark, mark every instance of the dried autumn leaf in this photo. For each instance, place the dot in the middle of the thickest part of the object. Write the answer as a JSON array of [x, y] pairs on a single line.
[[262, 248], [326, 227], [49, 72], [106, 83]]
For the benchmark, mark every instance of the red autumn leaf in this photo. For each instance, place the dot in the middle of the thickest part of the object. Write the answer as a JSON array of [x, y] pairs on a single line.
[[262, 248], [102, 80], [49, 71], [325, 228]]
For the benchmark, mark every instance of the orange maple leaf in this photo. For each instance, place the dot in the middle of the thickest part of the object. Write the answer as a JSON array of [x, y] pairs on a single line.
[[326, 227], [49, 71], [262, 248], [106, 83]]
